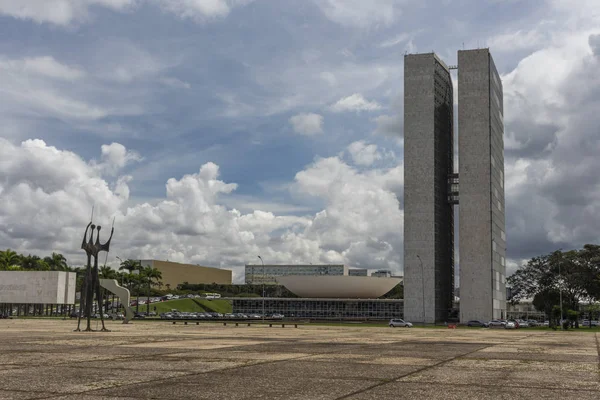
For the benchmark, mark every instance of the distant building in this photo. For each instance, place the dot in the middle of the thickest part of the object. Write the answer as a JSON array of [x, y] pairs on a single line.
[[174, 273], [382, 273], [256, 274], [428, 170], [37, 287], [433, 187], [358, 272], [324, 309], [482, 234]]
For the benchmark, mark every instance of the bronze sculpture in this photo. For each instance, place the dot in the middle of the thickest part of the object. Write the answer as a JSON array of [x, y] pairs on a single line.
[[91, 282]]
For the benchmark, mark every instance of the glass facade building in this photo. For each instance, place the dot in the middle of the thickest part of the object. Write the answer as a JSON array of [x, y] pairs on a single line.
[[348, 309]]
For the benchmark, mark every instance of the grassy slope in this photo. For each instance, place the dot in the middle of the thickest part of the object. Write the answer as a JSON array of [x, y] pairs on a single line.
[[190, 305], [219, 306]]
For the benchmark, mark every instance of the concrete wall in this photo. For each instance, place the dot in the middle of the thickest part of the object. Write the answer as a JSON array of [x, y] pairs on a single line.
[[481, 173], [174, 273], [37, 287], [423, 207]]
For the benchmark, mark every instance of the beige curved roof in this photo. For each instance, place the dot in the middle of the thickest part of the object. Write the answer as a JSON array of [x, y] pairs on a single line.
[[338, 286]]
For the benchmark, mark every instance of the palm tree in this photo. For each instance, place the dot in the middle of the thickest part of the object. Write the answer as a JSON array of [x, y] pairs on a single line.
[[134, 265], [152, 276], [8, 258], [56, 262], [30, 262], [108, 273]]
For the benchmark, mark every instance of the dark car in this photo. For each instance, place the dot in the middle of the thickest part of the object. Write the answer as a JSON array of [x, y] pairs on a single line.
[[477, 323]]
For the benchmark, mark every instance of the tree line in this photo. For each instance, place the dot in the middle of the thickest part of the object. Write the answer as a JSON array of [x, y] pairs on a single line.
[[573, 275]]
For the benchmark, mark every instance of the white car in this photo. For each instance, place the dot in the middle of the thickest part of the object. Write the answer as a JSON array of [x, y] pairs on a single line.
[[400, 322], [510, 325]]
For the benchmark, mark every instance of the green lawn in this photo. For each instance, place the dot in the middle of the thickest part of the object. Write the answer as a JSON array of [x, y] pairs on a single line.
[[190, 305], [218, 306]]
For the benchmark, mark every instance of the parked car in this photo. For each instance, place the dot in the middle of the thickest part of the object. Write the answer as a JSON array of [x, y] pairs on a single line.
[[511, 325], [477, 323], [496, 323], [587, 322], [400, 322], [522, 323], [117, 316], [533, 323]]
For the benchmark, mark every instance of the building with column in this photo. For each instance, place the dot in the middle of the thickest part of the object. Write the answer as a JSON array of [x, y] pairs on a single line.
[[428, 213], [482, 243]]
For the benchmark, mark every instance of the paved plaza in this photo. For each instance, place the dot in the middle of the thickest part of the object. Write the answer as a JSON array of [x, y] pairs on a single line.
[[43, 359]]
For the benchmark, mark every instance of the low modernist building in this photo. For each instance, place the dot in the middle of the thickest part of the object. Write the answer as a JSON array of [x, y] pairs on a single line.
[[328, 297], [358, 272], [37, 287], [325, 308], [174, 273], [340, 287], [257, 274]]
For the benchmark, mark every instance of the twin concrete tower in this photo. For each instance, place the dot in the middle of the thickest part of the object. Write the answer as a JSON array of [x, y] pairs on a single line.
[[433, 188]]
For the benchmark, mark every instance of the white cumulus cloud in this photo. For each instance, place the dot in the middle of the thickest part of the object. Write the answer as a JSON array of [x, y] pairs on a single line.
[[364, 154], [355, 102], [58, 12], [47, 194], [360, 13], [307, 123]]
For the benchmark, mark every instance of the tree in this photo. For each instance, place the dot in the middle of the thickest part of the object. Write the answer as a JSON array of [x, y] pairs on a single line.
[[546, 275], [30, 262], [56, 262], [151, 276], [545, 300], [9, 258], [134, 279], [108, 273]]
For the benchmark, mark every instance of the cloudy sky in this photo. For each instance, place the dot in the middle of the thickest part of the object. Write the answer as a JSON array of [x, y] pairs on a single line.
[[217, 130]]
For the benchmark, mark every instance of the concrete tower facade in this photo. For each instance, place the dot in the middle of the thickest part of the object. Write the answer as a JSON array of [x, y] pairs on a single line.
[[482, 238], [428, 214]]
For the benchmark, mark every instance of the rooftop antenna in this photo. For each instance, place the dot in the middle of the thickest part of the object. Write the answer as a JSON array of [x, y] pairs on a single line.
[[92, 216], [463, 45]]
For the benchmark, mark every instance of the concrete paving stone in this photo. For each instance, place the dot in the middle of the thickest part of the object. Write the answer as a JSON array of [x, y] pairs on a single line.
[[524, 365], [370, 359], [38, 359], [18, 395], [158, 363], [507, 377], [91, 397], [532, 356], [45, 359], [73, 379], [312, 369], [224, 387], [450, 376], [588, 380], [405, 390], [198, 344], [235, 355]]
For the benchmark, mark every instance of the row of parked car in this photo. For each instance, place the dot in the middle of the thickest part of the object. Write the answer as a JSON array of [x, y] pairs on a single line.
[[520, 323], [215, 315], [508, 324]]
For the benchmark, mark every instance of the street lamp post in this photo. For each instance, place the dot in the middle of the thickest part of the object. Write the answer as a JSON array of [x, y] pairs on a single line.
[[560, 295], [422, 286], [263, 288], [119, 258]]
